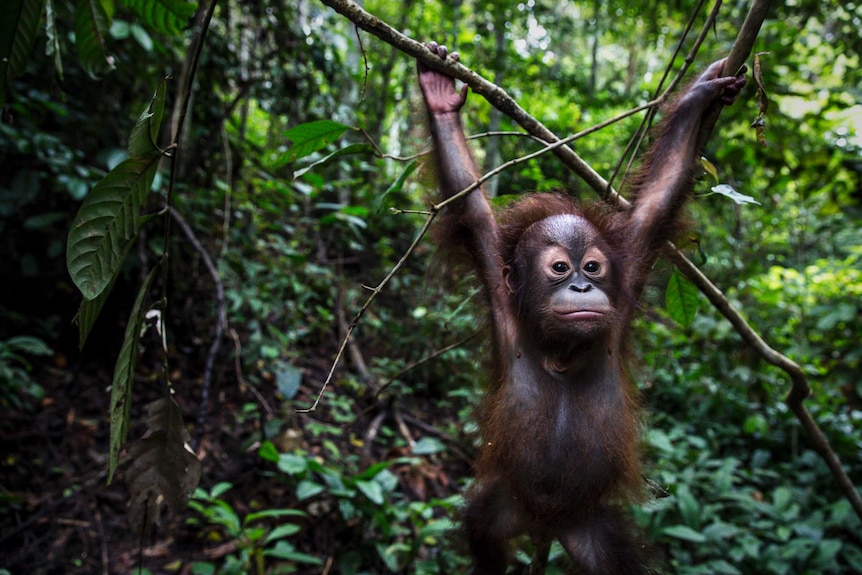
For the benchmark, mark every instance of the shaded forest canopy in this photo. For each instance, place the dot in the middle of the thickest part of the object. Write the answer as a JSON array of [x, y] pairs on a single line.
[[297, 181]]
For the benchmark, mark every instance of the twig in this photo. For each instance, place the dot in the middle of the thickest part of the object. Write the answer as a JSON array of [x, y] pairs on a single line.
[[356, 356], [361, 312], [425, 359], [221, 321], [237, 359]]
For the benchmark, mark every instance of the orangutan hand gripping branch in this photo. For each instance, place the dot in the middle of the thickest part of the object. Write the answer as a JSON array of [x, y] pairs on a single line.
[[559, 422]]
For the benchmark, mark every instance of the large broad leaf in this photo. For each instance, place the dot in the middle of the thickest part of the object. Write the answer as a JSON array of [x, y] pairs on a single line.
[[91, 30], [107, 222], [89, 311], [681, 299], [18, 27], [124, 373], [309, 138], [145, 134], [165, 16], [109, 219]]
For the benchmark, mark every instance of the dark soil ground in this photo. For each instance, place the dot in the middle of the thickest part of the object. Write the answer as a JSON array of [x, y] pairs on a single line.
[[59, 516]]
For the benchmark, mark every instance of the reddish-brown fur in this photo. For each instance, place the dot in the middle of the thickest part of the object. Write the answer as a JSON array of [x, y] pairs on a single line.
[[560, 421]]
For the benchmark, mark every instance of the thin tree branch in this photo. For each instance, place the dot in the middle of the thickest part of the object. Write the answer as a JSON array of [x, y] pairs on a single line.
[[221, 321]]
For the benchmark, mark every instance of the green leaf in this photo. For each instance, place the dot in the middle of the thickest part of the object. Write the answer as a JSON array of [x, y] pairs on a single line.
[[124, 373], [689, 508], [91, 29], [435, 529], [145, 134], [288, 379], [165, 16], [684, 532], [309, 138], [268, 452], [352, 149], [372, 490], [144, 39], [220, 488], [29, 344], [307, 489], [292, 464], [281, 532], [755, 423], [428, 445], [107, 222], [681, 299], [721, 567], [287, 552], [276, 513], [18, 28]]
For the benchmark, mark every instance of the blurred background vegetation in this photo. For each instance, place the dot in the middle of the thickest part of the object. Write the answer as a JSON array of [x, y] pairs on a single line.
[[372, 483]]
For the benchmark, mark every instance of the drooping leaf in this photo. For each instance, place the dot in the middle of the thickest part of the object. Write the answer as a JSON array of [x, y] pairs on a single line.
[[681, 299], [124, 373], [163, 472], [107, 222], [18, 26], [309, 138], [145, 134], [91, 30], [709, 168], [165, 16], [346, 151]]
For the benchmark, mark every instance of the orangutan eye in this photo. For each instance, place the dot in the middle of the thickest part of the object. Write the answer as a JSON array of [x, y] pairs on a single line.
[[560, 267], [592, 267]]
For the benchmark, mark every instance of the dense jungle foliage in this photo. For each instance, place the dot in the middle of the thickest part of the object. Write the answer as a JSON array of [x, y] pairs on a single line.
[[237, 261]]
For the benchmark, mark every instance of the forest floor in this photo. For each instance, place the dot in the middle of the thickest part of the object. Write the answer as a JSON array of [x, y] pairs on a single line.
[[59, 516]]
